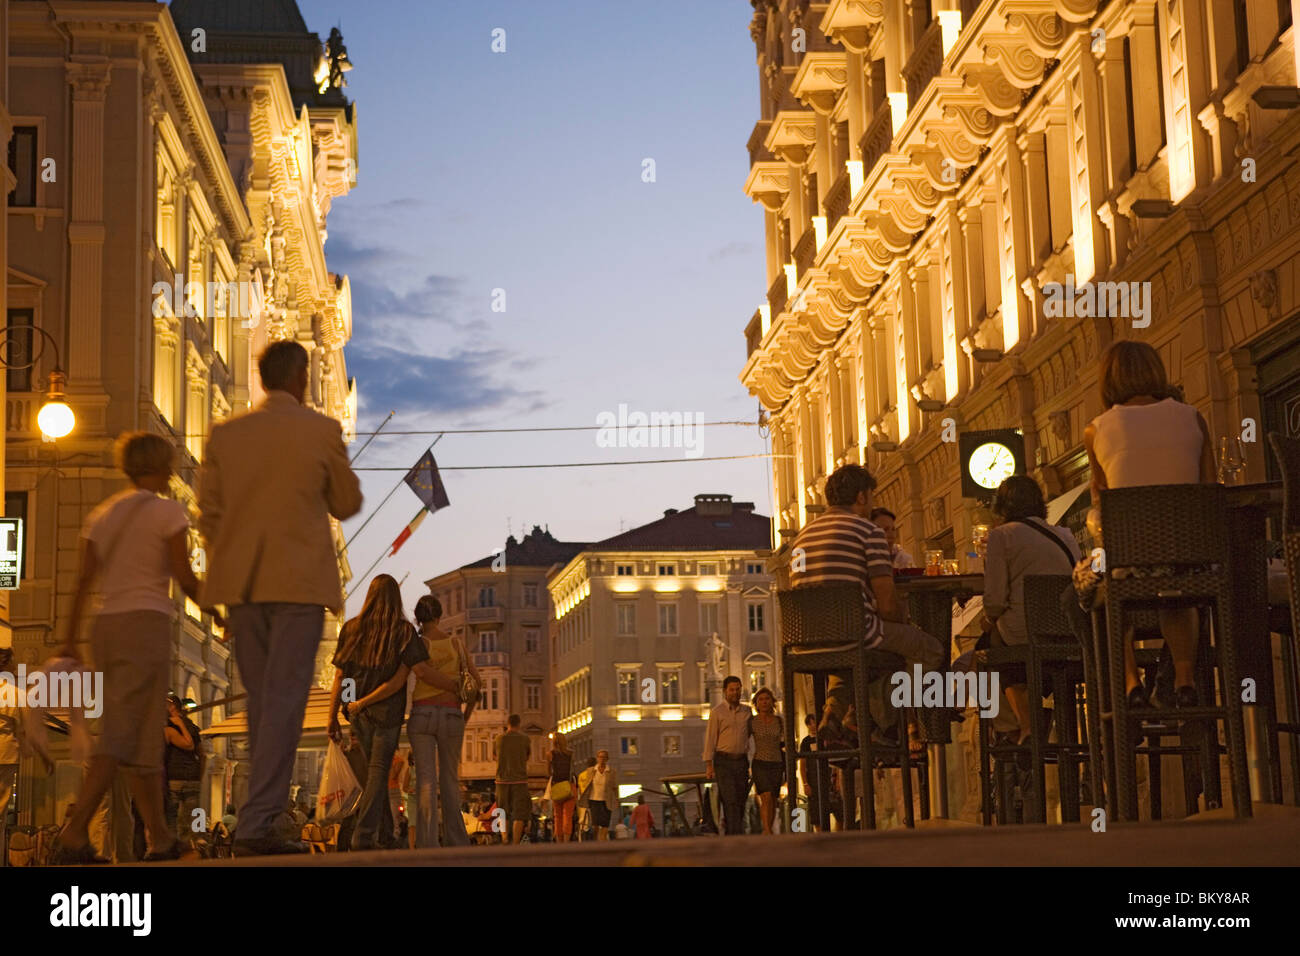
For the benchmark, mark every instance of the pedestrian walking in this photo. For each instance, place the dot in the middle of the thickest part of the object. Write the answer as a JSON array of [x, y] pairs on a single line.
[[512, 749], [643, 818], [768, 733], [604, 795], [582, 819], [183, 765], [726, 754], [564, 787], [133, 545], [14, 736], [271, 480], [436, 729], [376, 652]]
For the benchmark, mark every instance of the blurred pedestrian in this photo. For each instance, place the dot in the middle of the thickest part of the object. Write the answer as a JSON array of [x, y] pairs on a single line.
[[183, 765], [133, 544], [273, 560], [768, 733], [643, 818], [583, 818], [564, 787], [512, 749]]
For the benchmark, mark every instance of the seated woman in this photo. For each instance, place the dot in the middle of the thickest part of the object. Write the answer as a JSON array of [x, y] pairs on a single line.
[[1022, 543], [1148, 436]]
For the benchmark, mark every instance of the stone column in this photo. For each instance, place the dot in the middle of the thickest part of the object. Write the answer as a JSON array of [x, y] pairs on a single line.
[[88, 76]]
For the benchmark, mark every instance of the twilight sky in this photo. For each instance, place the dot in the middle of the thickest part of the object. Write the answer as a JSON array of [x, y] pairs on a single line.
[[522, 171]]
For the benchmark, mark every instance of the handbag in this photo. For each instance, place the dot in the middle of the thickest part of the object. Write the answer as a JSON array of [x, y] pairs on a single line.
[[560, 791], [469, 687]]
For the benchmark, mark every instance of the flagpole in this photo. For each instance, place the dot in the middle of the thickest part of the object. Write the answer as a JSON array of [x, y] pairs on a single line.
[[372, 436], [401, 481], [381, 557]]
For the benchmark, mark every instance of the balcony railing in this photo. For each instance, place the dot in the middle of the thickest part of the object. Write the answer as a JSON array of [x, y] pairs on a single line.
[[777, 294], [926, 61], [492, 659], [485, 615], [805, 250], [877, 139], [837, 200]]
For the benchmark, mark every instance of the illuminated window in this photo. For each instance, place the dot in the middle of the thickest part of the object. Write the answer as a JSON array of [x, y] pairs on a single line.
[[708, 617], [624, 570], [756, 617], [709, 568], [627, 746], [627, 687], [758, 667], [667, 570], [626, 614], [672, 745], [670, 682], [667, 619]]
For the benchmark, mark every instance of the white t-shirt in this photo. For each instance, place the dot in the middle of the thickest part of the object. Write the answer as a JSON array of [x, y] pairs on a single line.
[[1156, 444], [598, 785], [138, 575]]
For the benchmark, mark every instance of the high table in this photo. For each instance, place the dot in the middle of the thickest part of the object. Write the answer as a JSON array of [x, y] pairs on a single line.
[[1249, 508], [929, 601]]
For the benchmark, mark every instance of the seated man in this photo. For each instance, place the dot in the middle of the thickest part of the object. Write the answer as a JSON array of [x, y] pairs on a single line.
[[843, 545]]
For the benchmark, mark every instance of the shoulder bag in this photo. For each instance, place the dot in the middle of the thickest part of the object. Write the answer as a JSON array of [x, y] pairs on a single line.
[[469, 687]]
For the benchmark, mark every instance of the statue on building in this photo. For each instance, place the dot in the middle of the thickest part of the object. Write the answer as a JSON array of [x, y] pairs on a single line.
[[337, 56], [717, 655]]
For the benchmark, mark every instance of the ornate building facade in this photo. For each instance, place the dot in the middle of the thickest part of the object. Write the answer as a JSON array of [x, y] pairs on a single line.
[[935, 172], [648, 623], [182, 231]]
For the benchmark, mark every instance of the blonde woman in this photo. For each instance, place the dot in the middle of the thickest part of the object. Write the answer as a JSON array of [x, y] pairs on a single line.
[[768, 765], [561, 773]]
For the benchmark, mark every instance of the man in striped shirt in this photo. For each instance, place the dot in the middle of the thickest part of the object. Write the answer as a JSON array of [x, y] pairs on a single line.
[[842, 544]]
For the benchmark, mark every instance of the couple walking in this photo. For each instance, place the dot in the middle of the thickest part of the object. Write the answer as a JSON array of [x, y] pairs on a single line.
[[378, 650], [271, 479]]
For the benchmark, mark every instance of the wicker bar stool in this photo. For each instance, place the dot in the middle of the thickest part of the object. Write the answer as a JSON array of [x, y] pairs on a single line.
[[821, 632], [1166, 546], [1287, 451]]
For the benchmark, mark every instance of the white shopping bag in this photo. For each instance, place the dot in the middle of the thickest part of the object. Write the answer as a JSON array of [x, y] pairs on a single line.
[[339, 789]]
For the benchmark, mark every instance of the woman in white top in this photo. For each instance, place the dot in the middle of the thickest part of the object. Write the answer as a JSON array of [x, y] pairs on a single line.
[[1148, 436], [134, 543]]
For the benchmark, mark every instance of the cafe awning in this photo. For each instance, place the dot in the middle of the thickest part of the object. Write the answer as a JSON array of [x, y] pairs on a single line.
[[1058, 507], [314, 721]]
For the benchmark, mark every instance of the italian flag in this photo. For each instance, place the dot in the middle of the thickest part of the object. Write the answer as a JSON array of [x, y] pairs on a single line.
[[408, 530]]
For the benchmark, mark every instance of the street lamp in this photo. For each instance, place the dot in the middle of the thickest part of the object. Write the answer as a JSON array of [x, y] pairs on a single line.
[[55, 419]]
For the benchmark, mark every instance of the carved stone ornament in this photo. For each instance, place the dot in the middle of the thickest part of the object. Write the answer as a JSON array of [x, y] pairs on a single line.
[[1060, 422], [1263, 289]]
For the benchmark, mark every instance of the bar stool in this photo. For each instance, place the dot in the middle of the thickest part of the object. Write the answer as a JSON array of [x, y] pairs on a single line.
[[1287, 451], [1166, 546], [821, 632]]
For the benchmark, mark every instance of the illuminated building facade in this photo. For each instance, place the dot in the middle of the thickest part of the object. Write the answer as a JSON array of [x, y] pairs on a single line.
[[934, 172], [500, 606], [642, 618], [177, 234]]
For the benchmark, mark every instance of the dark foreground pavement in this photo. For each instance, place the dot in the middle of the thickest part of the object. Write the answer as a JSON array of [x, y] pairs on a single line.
[[1271, 838]]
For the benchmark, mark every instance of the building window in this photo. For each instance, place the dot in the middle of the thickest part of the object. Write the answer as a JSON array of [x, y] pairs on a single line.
[[491, 694], [22, 162], [627, 688], [670, 683], [624, 570], [755, 567], [710, 567], [672, 745], [532, 640], [530, 595], [627, 746], [532, 695], [756, 618], [16, 507], [18, 350], [708, 617], [487, 641], [667, 570], [758, 667], [626, 615], [667, 619], [483, 751], [487, 597]]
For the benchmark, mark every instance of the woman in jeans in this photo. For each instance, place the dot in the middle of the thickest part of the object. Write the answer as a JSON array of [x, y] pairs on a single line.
[[768, 766], [135, 543], [377, 650], [436, 729], [561, 771]]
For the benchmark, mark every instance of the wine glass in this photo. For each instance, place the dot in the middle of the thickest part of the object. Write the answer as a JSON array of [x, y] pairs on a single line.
[[1232, 461]]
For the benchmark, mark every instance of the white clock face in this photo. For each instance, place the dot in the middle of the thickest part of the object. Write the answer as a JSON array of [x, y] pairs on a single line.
[[991, 463]]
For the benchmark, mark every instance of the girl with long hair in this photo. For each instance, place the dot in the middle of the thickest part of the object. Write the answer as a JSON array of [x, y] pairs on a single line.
[[377, 649]]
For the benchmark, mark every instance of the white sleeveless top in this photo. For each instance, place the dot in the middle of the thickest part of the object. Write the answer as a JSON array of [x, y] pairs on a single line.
[[1157, 444]]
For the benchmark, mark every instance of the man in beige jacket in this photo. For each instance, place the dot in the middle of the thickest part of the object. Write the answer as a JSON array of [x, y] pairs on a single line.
[[271, 478]]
